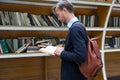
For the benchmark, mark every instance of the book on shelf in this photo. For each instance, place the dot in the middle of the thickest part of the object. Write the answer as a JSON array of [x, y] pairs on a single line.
[[1, 50], [10, 45], [36, 20], [1, 22], [117, 1], [18, 18], [47, 20], [112, 42], [31, 19], [47, 40], [23, 47], [114, 21], [4, 46], [41, 41], [15, 44], [32, 49], [56, 20], [52, 21], [42, 21]]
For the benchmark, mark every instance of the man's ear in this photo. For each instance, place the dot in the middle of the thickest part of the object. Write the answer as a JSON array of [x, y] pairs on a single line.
[[64, 9]]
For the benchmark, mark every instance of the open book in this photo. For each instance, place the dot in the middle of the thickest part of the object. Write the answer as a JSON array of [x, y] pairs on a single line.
[[49, 49]]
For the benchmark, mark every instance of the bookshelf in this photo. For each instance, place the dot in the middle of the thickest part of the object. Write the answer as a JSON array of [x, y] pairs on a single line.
[[42, 66], [111, 55]]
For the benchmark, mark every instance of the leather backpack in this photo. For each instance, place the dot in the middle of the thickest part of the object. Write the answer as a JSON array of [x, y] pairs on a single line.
[[93, 65]]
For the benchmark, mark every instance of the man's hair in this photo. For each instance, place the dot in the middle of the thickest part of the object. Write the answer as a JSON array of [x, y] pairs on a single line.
[[64, 4]]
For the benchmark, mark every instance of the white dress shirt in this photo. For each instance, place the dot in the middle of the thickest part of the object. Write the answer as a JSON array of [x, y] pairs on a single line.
[[74, 19]]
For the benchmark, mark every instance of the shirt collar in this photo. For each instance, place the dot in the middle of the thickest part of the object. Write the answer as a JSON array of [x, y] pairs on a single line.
[[74, 19]]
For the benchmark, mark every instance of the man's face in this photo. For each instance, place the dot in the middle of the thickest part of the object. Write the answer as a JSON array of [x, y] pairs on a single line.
[[60, 15]]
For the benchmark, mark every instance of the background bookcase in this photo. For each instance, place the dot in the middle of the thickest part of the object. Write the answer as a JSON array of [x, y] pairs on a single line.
[[112, 55], [39, 66]]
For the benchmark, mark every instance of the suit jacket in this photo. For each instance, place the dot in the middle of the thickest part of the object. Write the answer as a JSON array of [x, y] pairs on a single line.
[[75, 52]]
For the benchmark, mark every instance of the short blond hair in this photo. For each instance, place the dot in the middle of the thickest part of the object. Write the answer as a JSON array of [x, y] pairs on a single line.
[[64, 4]]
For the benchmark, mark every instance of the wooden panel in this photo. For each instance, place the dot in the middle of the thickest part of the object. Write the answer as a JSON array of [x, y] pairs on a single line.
[[35, 9], [102, 13], [115, 12], [94, 34], [113, 33], [99, 77], [83, 11], [112, 64], [53, 68], [22, 69], [110, 1], [32, 0], [45, 1]]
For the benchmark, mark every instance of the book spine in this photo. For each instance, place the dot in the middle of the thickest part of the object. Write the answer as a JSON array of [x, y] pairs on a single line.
[[4, 46]]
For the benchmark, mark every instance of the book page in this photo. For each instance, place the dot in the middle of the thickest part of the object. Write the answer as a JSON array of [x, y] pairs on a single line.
[[49, 49]]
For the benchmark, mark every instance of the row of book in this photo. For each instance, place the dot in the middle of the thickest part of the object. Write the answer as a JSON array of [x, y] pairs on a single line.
[[27, 44], [88, 20], [27, 19], [114, 21], [117, 1], [35, 44], [12, 45], [112, 42]]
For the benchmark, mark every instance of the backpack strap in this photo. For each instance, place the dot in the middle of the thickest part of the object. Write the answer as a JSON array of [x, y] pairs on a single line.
[[78, 22], [97, 37]]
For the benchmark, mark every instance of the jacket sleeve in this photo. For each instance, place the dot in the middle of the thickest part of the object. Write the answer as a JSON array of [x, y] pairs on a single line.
[[79, 50]]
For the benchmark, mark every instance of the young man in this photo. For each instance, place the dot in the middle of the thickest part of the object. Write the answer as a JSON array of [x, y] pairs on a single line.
[[74, 50]]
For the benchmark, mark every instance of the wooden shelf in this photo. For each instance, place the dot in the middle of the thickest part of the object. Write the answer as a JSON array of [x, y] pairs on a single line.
[[117, 5], [111, 50], [21, 55], [112, 29], [15, 31], [44, 28], [33, 28]]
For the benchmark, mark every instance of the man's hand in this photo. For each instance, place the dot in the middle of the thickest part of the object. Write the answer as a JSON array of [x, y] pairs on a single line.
[[58, 51]]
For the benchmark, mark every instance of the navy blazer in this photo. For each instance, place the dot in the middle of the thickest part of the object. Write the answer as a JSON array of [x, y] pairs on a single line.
[[75, 52]]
